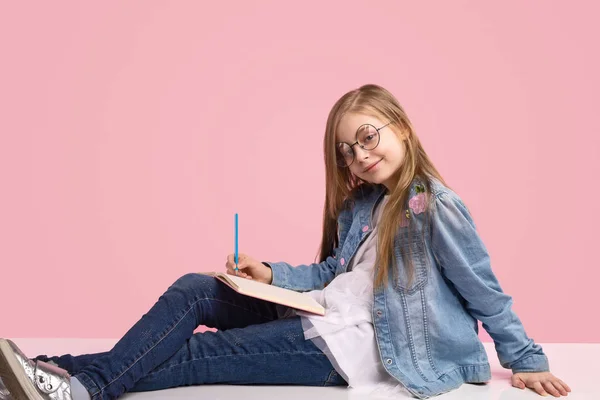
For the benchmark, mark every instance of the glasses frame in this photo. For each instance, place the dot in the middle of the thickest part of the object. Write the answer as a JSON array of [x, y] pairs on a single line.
[[361, 146]]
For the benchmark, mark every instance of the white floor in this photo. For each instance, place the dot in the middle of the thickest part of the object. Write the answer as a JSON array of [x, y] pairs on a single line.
[[576, 364]]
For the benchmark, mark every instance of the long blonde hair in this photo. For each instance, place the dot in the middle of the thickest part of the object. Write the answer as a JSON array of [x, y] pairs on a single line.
[[342, 185]]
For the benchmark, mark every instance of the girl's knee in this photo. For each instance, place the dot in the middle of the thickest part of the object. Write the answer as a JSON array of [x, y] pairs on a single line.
[[195, 282]]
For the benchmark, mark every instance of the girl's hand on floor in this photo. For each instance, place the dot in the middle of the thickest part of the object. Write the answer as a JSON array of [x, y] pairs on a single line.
[[542, 382], [249, 268]]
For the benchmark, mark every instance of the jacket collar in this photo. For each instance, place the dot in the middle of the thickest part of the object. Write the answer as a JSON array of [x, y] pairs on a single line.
[[374, 196]]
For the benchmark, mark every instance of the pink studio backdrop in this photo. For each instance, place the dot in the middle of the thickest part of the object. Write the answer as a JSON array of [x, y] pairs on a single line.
[[131, 132]]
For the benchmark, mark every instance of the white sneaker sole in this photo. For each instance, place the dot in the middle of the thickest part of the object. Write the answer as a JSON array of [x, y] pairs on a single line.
[[16, 380]]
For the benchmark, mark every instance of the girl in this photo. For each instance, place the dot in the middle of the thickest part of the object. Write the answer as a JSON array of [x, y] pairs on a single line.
[[403, 274]]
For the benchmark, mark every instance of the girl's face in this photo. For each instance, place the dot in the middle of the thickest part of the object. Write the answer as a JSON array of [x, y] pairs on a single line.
[[378, 164]]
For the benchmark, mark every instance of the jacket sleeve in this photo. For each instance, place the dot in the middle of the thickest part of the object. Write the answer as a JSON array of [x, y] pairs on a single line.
[[464, 260], [302, 278], [314, 276]]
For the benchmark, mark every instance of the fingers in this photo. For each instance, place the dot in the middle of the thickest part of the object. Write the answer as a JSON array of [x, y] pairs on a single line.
[[230, 266], [241, 274], [558, 384], [241, 259], [543, 383], [537, 386], [230, 269], [564, 385], [549, 387], [516, 382], [231, 259], [231, 262]]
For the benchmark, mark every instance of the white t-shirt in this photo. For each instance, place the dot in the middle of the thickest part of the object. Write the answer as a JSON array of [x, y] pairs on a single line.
[[345, 333]]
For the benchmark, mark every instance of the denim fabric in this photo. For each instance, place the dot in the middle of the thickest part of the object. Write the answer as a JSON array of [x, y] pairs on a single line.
[[427, 331], [251, 346]]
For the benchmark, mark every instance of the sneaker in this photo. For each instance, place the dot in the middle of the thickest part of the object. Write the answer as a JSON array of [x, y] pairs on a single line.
[[4, 393], [27, 379]]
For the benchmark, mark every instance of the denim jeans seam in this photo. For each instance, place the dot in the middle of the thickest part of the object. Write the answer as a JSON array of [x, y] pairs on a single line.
[[155, 344], [191, 306], [88, 383], [314, 353]]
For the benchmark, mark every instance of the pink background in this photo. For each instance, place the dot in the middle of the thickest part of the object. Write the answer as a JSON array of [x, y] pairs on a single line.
[[131, 132]]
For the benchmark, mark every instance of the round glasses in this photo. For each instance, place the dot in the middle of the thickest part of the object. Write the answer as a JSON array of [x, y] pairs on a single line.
[[367, 137]]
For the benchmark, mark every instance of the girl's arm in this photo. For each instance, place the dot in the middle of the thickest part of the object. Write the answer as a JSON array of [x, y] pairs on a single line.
[[464, 260], [302, 278]]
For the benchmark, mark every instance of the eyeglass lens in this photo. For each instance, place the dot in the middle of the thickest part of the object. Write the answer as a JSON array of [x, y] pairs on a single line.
[[367, 137]]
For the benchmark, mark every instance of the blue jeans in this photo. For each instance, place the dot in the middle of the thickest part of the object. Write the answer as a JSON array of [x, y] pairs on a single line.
[[252, 346]]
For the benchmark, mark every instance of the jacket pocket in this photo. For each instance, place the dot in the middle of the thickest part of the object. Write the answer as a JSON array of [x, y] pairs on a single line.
[[413, 245]]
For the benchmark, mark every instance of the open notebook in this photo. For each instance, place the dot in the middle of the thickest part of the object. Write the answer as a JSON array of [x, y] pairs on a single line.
[[274, 294]]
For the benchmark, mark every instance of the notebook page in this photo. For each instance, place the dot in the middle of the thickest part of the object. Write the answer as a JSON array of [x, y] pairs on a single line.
[[275, 294]]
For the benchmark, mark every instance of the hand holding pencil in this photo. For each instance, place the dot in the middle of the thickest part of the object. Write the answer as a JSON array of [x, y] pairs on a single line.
[[247, 267]]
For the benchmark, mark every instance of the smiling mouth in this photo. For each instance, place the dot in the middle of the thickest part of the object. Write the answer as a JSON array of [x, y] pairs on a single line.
[[371, 166]]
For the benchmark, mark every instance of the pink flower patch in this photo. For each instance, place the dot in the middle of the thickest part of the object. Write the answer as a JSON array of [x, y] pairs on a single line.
[[417, 203]]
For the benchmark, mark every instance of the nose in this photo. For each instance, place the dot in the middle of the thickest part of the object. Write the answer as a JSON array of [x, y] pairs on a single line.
[[360, 153]]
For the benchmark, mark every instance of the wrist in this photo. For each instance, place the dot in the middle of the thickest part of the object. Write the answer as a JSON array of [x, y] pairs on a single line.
[[270, 275]]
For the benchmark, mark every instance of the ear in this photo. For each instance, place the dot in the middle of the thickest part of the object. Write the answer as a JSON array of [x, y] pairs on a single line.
[[403, 135]]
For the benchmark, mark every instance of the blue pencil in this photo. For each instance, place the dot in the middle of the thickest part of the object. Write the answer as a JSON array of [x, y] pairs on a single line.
[[236, 242]]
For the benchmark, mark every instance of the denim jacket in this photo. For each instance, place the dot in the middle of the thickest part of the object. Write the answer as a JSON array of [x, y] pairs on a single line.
[[427, 333]]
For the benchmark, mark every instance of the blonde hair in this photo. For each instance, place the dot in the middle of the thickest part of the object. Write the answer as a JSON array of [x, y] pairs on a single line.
[[342, 185]]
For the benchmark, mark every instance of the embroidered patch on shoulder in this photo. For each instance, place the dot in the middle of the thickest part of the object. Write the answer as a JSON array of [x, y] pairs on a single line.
[[417, 202]]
